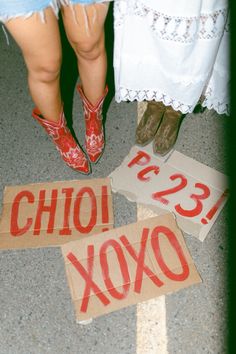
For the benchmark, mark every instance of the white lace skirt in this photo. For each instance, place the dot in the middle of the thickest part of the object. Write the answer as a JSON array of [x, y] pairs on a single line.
[[172, 51]]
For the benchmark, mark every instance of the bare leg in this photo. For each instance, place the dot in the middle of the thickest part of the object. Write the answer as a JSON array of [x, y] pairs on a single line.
[[41, 48], [84, 26]]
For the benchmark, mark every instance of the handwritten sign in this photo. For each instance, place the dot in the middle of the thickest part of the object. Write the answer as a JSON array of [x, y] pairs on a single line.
[[195, 192], [46, 214], [127, 265]]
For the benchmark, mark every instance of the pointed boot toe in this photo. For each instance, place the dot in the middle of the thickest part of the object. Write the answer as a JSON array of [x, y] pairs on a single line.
[[94, 136], [167, 133], [65, 143], [149, 123]]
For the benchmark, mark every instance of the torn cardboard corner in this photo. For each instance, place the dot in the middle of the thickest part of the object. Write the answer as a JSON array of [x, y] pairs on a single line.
[[195, 192], [127, 265], [50, 214]]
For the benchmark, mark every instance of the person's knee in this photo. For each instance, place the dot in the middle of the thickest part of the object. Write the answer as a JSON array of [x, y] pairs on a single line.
[[89, 48], [46, 70]]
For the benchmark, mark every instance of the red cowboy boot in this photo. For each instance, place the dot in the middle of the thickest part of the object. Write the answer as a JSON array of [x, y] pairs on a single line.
[[94, 136], [70, 151]]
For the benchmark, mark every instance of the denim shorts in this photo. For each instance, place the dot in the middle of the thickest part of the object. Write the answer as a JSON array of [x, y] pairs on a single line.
[[25, 8]]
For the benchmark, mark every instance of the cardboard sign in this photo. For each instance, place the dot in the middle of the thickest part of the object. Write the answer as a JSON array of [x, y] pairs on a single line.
[[47, 214], [127, 265], [195, 192]]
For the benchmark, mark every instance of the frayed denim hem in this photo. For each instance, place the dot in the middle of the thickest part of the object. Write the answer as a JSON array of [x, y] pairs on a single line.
[[40, 8], [83, 2], [8, 11], [53, 4]]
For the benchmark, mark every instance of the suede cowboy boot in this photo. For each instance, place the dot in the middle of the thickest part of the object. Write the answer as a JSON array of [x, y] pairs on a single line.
[[70, 151], [149, 123], [94, 136], [168, 130]]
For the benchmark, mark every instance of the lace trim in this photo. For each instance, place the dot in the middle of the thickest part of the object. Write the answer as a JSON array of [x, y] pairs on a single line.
[[213, 103], [124, 94], [177, 28]]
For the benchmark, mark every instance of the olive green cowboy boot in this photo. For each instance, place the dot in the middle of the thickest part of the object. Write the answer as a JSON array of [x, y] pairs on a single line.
[[149, 123], [167, 133]]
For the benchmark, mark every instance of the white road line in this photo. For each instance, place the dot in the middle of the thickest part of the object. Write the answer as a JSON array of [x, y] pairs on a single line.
[[151, 327], [151, 315]]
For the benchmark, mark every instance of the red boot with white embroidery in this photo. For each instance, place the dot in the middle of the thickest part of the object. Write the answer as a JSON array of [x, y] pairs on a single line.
[[94, 136], [70, 151]]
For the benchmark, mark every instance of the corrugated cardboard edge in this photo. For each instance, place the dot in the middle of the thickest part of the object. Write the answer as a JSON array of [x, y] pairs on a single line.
[[194, 273]]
